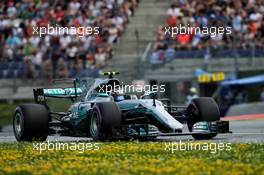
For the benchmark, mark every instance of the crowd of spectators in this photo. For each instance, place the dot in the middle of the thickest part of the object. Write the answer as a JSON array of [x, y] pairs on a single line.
[[244, 16], [25, 55]]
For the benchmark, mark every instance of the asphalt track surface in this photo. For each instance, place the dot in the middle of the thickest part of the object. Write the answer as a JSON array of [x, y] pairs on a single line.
[[245, 131]]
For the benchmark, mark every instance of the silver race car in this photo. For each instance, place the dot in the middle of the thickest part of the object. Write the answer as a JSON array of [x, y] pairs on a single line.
[[104, 115]]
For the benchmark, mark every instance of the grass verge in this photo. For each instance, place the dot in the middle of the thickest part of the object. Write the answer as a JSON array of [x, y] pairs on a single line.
[[6, 111], [131, 158]]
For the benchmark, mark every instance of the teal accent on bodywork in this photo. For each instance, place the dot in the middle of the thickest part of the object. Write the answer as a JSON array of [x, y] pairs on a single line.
[[127, 106], [142, 131], [61, 91], [81, 115], [200, 126], [77, 114], [102, 95]]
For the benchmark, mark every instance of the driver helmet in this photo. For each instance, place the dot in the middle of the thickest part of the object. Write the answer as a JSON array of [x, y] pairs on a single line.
[[118, 95]]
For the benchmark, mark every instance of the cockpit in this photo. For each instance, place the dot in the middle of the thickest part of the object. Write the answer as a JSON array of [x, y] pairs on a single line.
[[107, 90]]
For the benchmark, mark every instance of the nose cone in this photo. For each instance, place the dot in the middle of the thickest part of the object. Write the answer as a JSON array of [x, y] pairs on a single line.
[[164, 119]]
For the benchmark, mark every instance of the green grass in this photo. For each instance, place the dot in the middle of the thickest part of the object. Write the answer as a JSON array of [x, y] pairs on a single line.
[[131, 158], [6, 111]]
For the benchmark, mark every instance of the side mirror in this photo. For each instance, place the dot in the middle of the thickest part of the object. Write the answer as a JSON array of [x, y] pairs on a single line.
[[152, 94]]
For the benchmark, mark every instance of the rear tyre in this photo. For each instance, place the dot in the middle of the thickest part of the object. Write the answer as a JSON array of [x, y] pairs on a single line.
[[31, 122], [104, 121], [202, 109]]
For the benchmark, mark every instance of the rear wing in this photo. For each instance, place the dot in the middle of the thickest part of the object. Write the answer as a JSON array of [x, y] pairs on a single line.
[[40, 94]]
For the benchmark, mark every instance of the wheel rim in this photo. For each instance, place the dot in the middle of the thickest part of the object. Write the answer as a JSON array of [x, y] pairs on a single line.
[[94, 124], [18, 124]]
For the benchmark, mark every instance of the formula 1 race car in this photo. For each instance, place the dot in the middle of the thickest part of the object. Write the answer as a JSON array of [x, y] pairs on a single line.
[[102, 115]]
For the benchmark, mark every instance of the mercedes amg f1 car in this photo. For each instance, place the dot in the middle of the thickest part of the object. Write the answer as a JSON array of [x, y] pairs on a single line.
[[101, 115]]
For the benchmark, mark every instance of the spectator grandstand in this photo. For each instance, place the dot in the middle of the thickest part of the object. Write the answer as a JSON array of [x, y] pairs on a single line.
[[27, 56], [244, 16]]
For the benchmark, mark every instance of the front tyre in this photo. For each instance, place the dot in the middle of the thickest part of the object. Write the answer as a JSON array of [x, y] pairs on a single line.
[[105, 119], [30, 122], [202, 109]]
